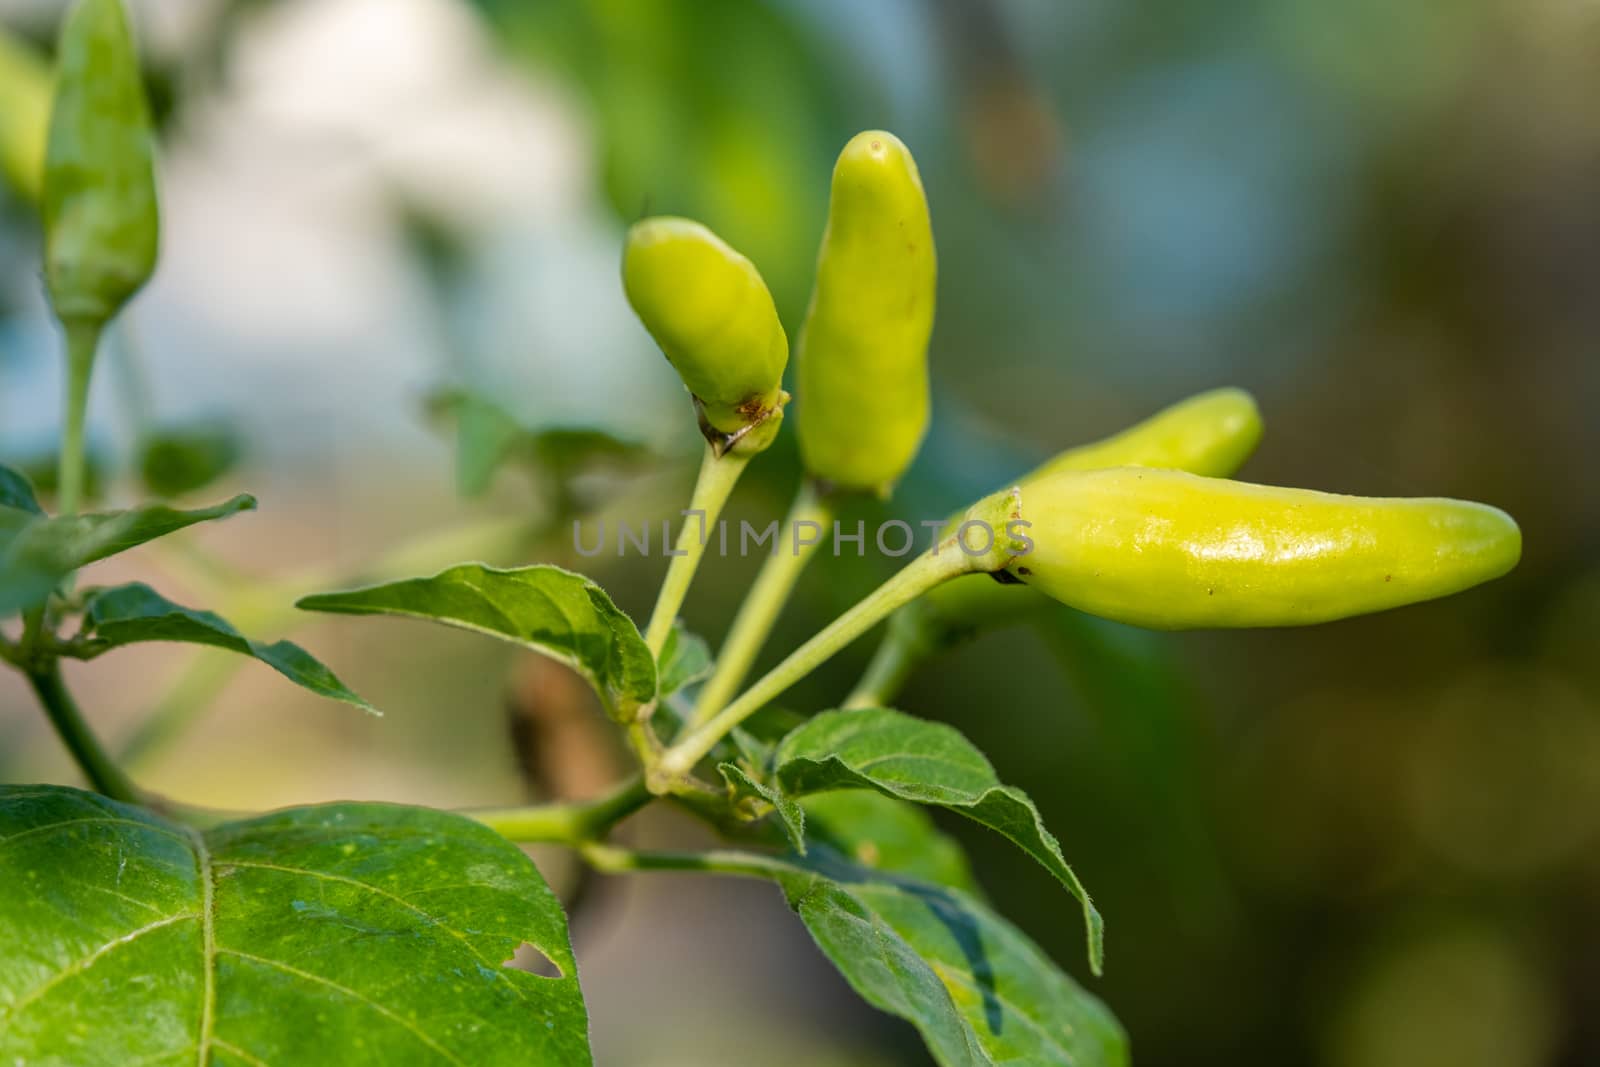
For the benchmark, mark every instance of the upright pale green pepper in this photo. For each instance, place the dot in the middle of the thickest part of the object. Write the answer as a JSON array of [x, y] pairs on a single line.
[[711, 313], [25, 87], [101, 223], [862, 356], [1170, 550]]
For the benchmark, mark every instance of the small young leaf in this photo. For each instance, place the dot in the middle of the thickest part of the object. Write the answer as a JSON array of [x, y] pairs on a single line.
[[976, 988], [182, 460], [342, 933], [17, 492], [37, 552], [127, 614], [752, 799], [684, 661], [929, 763], [550, 610]]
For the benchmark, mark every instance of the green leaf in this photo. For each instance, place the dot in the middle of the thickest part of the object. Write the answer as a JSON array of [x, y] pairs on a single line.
[[17, 492], [753, 798], [37, 552], [182, 460], [342, 933], [488, 436], [685, 660], [978, 990], [128, 614], [548, 609], [928, 763], [885, 834]]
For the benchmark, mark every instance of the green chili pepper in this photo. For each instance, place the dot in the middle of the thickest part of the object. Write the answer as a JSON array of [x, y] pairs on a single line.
[[711, 313], [863, 351], [25, 89], [100, 218], [1170, 550], [1210, 433]]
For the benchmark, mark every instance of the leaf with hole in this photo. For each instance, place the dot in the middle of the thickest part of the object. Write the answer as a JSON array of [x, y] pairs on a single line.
[[341, 933], [131, 614], [37, 552], [550, 610], [925, 762]]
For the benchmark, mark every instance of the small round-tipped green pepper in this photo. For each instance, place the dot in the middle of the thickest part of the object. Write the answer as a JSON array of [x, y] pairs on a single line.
[[1170, 550], [25, 88], [101, 223], [711, 313], [863, 351]]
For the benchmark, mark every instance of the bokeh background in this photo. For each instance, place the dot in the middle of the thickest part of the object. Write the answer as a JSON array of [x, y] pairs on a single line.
[[391, 241]]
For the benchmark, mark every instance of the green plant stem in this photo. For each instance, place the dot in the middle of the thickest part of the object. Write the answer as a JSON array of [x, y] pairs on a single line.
[[892, 665], [99, 768], [773, 586], [567, 824], [611, 859], [718, 475], [922, 574], [82, 338]]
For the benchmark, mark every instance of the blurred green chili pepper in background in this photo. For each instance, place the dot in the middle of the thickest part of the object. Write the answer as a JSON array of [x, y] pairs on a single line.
[[101, 222], [1170, 550], [863, 351], [25, 90], [711, 313]]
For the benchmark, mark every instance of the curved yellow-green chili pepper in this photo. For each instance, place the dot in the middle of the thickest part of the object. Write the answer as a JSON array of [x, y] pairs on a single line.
[[25, 88], [862, 356], [1210, 433], [1170, 550], [101, 223], [711, 313]]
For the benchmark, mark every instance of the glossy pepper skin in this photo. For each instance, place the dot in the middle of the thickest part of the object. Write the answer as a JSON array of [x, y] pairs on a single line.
[[1210, 433], [711, 313], [1170, 550], [101, 222], [862, 356]]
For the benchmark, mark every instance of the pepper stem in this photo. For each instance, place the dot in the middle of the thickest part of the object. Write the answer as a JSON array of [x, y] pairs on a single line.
[[941, 563], [766, 599], [82, 339], [718, 475]]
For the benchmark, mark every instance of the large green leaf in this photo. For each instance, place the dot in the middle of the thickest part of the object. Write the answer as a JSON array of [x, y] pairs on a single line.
[[128, 614], [548, 609], [979, 991], [925, 762], [343, 933], [37, 552]]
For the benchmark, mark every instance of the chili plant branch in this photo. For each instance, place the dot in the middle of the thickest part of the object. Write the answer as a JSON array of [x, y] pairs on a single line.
[[101, 770], [718, 475], [945, 561], [761, 607]]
